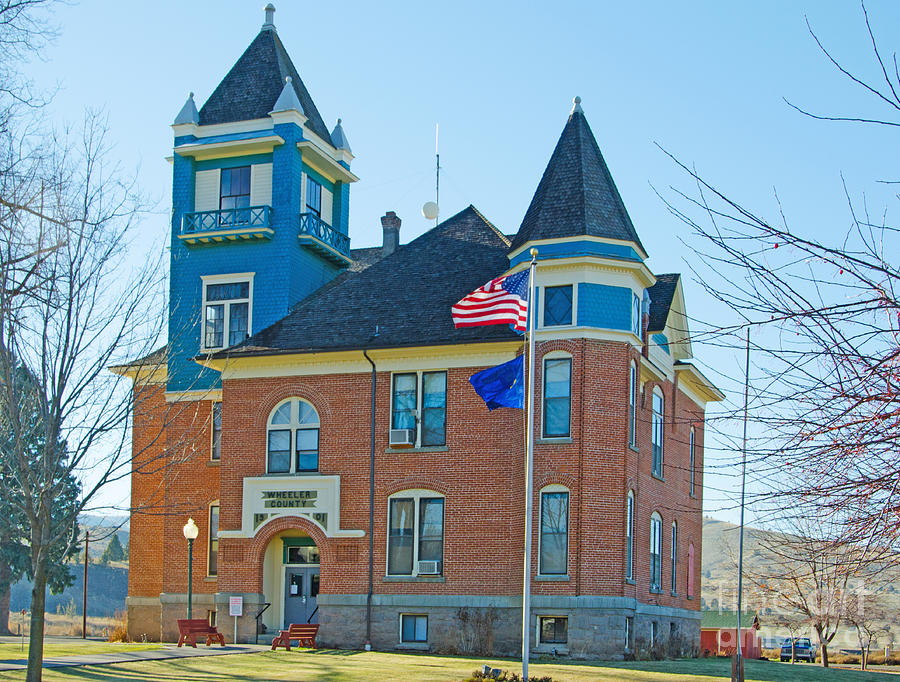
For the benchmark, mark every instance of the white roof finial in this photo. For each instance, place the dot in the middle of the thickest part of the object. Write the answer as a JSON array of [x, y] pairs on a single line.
[[576, 105], [270, 17]]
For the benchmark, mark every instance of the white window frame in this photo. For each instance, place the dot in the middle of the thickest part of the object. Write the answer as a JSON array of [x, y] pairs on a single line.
[[556, 355], [654, 632], [209, 539], [656, 542], [633, 380], [637, 326], [692, 469], [212, 430], [657, 432], [236, 278], [554, 488], [629, 536], [293, 426], [420, 399], [673, 579], [413, 641], [416, 494], [543, 302]]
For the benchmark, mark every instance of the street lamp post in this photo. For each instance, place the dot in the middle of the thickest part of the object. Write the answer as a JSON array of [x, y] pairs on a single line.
[[190, 533]]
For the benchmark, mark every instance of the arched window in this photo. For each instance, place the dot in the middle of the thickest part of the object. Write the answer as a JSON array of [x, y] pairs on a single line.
[[554, 538], [693, 464], [690, 571], [632, 405], [629, 536], [656, 434], [655, 552], [674, 581], [292, 438], [415, 533]]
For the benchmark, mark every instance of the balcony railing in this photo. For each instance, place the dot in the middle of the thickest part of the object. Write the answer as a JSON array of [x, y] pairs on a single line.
[[253, 221], [329, 239]]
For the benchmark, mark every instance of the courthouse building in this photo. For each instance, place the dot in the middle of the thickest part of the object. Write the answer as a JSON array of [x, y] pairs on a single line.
[[312, 410]]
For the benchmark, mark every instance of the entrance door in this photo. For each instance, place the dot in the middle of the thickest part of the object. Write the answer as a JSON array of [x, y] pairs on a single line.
[[301, 587]]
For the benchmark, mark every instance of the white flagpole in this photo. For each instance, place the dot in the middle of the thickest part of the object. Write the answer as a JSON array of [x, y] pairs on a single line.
[[529, 471]]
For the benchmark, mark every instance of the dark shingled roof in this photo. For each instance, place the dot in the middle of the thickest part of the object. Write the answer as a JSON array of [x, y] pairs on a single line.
[[661, 295], [251, 88], [363, 258], [576, 195], [407, 296]]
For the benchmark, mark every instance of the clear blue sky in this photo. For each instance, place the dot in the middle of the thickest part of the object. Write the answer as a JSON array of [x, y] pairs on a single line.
[[705, 80]]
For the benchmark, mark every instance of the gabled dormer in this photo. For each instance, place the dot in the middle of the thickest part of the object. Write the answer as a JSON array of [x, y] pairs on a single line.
[[592, 275], [260, 205]]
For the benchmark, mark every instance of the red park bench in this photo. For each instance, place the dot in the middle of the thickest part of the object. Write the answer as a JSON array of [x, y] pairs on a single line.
[[191, 629], [305, 634]]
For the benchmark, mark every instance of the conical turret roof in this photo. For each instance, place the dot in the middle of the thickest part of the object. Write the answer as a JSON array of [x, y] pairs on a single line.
[[254, 84], [576, 195]]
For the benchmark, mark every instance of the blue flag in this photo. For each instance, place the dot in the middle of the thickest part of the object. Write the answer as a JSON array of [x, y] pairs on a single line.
[[503, 385]]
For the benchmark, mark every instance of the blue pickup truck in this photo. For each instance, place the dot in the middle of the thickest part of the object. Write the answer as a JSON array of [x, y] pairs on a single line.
[[803, 650]]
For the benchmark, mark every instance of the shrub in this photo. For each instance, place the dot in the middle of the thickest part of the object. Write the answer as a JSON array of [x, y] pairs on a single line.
[[504, 676], [118, 632]]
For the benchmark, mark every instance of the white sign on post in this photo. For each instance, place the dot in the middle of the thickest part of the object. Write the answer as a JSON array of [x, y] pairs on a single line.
[[235, 608]]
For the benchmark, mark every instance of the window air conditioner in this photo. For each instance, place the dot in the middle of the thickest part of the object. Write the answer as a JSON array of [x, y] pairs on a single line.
[[429, 568], [405, 437]]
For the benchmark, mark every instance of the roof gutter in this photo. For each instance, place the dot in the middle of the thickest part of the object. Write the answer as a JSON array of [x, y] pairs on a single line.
[[371, 509]]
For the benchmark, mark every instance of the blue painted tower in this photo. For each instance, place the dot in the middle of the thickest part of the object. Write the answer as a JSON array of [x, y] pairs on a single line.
[[260, 208]]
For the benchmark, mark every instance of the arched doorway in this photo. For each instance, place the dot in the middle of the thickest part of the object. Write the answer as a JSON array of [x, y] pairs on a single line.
[[291, 579]]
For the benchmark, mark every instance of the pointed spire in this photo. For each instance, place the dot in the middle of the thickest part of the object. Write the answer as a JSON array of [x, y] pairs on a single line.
[[576, 195], [339, 138], [188, 113], [288, 100], [269, 24]]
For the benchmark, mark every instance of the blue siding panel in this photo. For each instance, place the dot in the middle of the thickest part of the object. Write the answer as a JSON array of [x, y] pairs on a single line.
[[604, 306], [578, 249]]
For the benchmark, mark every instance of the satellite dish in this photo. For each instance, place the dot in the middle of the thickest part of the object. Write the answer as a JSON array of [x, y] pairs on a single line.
[[430, 210]]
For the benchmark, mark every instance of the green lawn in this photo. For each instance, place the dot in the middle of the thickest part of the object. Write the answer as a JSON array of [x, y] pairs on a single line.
[[355, 666], [12, 651]]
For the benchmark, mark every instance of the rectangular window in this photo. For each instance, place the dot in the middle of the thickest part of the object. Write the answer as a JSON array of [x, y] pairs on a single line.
[[629, 538], [674, 580], [557, 306], [421, 406], [307, 456], [693, 463], [416, 536], [554, 533], [629, 633], [216, 452], [657, 433], [213, 563], [554, 630], [413, 628], [313, 196], [632, 405], [655, 554], [227, 315], [234, 192], [557, 397], [654, 632], [279, 451]]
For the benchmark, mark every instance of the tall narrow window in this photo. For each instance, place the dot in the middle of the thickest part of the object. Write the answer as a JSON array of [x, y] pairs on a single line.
[[293, 438], [632, 405], [629, 537], [554, 533], [557, 396], [656, 433], [557, 306], [227, 313], [416, 534], [216, 452], [692, 470], [434, 408], [655, 552], [636, 316], [313, 196], [690, 571], [674, 579], [213, 557]]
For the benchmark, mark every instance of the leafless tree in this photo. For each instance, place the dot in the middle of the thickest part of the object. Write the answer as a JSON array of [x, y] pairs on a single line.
[[795, 623], [867, 616]]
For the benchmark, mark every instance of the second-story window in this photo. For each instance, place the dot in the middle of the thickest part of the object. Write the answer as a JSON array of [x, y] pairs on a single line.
[[693, 462], [419, 404], [313, 197], [557, 396], [216, 452], [632, 405], [655, 552], [657, 434], [227, 313], [557, 306], [234, 188], [293, 429]]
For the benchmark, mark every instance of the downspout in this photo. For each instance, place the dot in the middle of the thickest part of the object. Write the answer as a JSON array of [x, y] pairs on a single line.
[[371, 506]]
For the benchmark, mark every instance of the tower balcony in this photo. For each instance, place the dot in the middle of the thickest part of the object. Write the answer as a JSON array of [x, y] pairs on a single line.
[[227, 224], [319, 236]]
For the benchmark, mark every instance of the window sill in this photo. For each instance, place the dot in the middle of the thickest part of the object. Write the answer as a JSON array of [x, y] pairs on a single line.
[[428, 448], [629, 581], [673, 594], [213, 462], [552, 578], [658, 477], [633, 448], [655, 590], [292, 473], [415, 646], [552, 440], [690, 598], [413, 579], [550, 648], [210, 578]]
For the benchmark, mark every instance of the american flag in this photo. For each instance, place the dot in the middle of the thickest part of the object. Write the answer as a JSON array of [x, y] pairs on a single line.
[[501, 301]]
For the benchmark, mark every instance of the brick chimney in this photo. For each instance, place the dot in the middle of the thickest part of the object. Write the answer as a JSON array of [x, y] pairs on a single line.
[[390, 223]]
